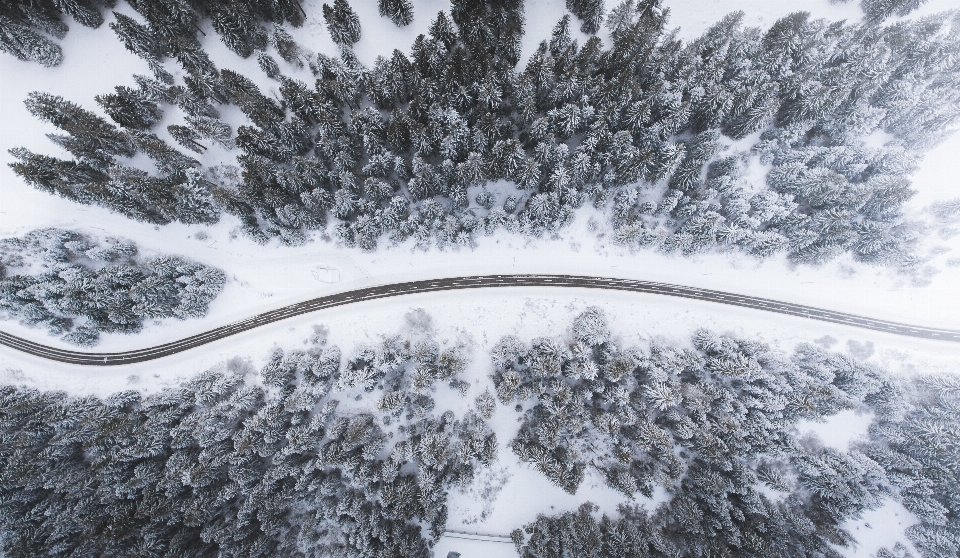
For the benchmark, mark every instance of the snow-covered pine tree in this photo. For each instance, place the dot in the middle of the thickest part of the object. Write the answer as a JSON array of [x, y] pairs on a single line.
[[168, 160], [268, 65], [91, 132], [27, 44], [137, 37], [142, 41], [288, 48], [169, 20], [213, 129], [187, 137], [78, 288], [400, 12], [878, 10], [131, 108], [56, 176], [342, 23], [589, 12], [192, 57], [238, 27], [25, 26]]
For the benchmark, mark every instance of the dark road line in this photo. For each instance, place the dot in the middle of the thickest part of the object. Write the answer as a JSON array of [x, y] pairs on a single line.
[[475, 282], [479, 538]]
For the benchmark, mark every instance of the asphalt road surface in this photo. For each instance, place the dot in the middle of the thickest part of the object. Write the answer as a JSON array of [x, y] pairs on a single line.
[[475, 282], [475, 537]]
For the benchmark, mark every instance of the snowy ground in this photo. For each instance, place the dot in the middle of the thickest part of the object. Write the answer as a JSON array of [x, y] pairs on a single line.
[[268, 277], [473, 549], [512, 494], [263, 278]]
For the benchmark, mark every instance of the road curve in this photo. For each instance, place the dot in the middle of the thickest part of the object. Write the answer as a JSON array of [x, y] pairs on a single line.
[[473, 282]]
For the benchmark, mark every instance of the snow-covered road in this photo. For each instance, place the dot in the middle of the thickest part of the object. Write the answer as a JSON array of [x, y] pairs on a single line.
[[472, 282]]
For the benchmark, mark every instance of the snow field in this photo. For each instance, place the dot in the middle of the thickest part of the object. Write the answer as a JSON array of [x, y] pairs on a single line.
[[263, 278], [267, 277], [473, 549], [511, 493]]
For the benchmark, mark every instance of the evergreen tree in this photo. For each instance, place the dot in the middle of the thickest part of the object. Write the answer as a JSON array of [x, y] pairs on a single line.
[[268, 65], [589, 12], [27, 44], [879, 10], [187, 137], [919, 462], [168, 161], [578, 123], [213, 129], [138, 38], [84, 288], [400, 12], [636, 416], [239, 463], [96, 178], [92, 133], [342, 23], [130, 108], [238, 27], [24, 26], [142, 40], [286, 46], [56, 176]]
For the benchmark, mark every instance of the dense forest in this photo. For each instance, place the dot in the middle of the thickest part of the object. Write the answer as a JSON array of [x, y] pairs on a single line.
[[77, 287], [715, 426], [236, 463], [28, 27], [795, 139], [744, 139], [316, 455]]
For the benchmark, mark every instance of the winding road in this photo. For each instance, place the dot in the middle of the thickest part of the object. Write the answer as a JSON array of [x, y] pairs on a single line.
[[473, 282]]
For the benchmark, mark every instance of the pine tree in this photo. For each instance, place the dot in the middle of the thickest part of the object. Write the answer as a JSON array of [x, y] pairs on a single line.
[[192, 57], [442, 30], [578, 123], [589, 12], [88, 288], [342, 23], [168, 161], [90, 131], [400, 12], [56, 176], [268, 65], [130, 108], [142, 41], [213, 129], [194, 202], [26, 44], [238, 28], [187, 137], [286, 46], [85, 12], [171, 21], [23, 26], [878, 10]]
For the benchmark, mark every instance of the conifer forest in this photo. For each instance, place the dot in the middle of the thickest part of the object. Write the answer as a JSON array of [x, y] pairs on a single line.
[[210, 163]]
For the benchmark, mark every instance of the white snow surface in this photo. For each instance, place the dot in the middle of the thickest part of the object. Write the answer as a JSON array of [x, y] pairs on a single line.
[[839, 430], [473, 549], [512, 493], [880, 528], [267, 277]]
